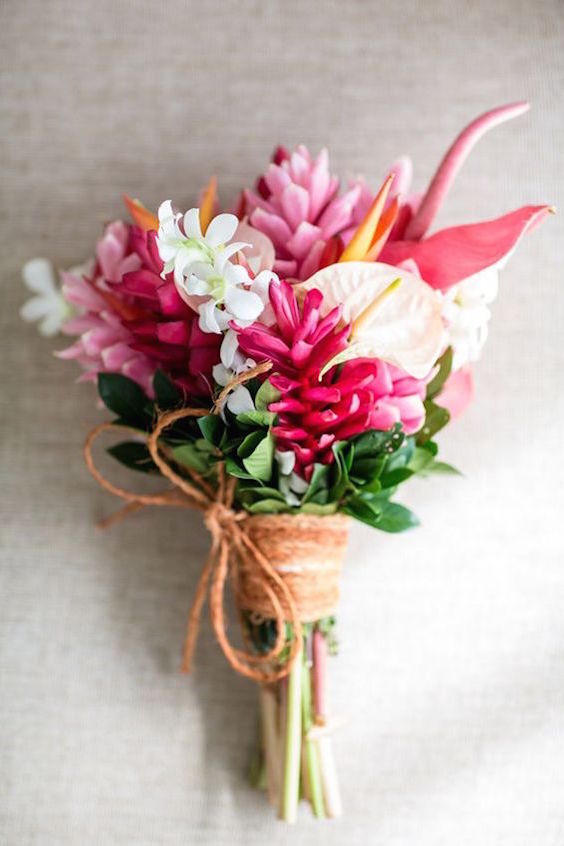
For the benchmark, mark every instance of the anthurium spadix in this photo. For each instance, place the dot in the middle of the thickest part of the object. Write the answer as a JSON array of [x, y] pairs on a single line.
[[395, 316]]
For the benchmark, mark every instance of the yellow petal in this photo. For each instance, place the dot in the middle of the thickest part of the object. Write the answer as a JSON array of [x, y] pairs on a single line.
[[144, 219], [360, 243], [208, 203]]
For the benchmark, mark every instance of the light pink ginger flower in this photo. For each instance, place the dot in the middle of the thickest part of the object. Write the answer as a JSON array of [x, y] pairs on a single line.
[[297, 205], [132, 321], [314, 411], [104, 342]]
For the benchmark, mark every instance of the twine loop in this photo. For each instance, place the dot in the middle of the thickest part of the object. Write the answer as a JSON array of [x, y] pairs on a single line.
[[229, 540]]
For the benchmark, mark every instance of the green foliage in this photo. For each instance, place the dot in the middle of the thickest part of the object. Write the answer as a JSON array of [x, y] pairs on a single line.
[[125, 398], [134, 455], [444, 363]]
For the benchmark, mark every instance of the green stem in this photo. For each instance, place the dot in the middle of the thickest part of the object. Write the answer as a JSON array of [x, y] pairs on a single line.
[[311, 750], [292, 744]]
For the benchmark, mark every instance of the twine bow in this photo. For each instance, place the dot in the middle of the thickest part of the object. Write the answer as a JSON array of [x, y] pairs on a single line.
[[229, 538]]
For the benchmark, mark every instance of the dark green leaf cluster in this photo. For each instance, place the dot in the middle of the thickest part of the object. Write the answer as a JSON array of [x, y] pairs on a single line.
[[361, 481]]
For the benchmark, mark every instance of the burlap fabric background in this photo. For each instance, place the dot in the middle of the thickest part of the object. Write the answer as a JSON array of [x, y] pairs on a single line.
[[452, 661]]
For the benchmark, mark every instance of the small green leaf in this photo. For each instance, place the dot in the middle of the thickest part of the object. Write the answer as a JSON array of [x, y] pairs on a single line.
[[256, 418], [420, 459], [396, 518], [318, 481], [233, 469], [212, 428], [260, 492], [435, 419], [316, 508], [268, 506], [190, 456], [259, 462], [443, 467], [363, 510], [265, 395], [445, 366], [125, 398], [395, 477], [134, 455], [249, 444], [167, 395]]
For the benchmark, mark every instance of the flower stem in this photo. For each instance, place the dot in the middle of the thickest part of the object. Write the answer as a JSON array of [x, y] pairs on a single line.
[[315, 788], [292, 744], [270, 742]]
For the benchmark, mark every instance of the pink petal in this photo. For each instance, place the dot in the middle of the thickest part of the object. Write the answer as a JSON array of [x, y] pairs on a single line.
[[452, 162], [285, 269], [174, 332], [312, 261], [115, 357], [303, 238], [461, 251], [458, 391], [261, 249], [272, 225]]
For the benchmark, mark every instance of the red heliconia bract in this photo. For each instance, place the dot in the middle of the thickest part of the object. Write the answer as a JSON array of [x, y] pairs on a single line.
[[313, 412]]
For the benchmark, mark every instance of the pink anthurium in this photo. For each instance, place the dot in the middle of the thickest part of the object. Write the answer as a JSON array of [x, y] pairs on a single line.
[[458, 391], [454, 254]]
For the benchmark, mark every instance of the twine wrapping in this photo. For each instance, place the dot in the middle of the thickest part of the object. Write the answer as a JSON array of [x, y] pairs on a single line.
[[279, 558]]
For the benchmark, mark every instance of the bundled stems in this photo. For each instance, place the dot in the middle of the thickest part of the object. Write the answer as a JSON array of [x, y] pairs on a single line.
[[297, 754]]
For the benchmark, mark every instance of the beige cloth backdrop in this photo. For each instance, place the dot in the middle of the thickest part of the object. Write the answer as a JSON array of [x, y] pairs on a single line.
[[451, 671]]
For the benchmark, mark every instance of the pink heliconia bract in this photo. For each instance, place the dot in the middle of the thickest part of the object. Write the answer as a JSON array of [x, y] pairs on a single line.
[[314, 413], [131, 321], [297, 204]]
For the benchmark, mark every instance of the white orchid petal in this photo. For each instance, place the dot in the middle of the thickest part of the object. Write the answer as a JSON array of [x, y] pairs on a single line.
[[222, 375], [286, 460], [228, 348], [406, 329], [221, 229], [192, 226], [208, 321], [165, 212], [34, 308], [39, 276], [240, 400], [243, 304]]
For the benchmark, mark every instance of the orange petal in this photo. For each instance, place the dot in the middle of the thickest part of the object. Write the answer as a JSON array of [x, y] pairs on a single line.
[[383, 230], [144, 219], [208, 204], [361, 241]]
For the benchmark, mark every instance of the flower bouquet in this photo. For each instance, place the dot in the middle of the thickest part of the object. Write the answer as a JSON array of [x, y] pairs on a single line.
[[285, 368]]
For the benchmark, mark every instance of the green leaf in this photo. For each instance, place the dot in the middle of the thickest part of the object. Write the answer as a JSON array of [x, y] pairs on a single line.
[[318, 482], [167, 395], [395, 477], [268, 506], [256, 418], [435, 419], [443, 467], [259, 492], [317, 508], [259, 462], [212, 428], [363, 510], [134, 455], [445, 366], [249, 444], [190, 456], [420, 459], [265, 395], [365, 470], [125, 398], [396, 518], [233, 469]]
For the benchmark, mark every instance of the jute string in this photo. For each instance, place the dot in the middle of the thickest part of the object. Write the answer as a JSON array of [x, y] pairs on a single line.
[[281, 589]]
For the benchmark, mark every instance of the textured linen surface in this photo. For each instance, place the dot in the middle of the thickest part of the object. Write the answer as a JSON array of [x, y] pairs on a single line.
[[451, 670]]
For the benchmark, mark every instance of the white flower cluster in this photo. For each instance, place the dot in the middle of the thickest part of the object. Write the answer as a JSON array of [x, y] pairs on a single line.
[[467, 314], [222, 292]]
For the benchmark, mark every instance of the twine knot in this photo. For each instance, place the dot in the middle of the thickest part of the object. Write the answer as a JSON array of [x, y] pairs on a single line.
[[218, 517]]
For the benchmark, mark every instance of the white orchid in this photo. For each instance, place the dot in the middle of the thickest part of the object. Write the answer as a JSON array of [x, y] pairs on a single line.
[[180, 247], [466, 313], [48, 305], [292, 486], [395, 315]]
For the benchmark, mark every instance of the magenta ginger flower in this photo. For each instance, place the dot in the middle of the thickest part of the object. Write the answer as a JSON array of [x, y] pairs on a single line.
[[133, 322], [296, 204], [314, 413]]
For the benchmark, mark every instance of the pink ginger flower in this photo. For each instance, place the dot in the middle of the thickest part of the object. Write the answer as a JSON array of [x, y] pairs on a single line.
[[133, 322], [314, 413], [296, 204]]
